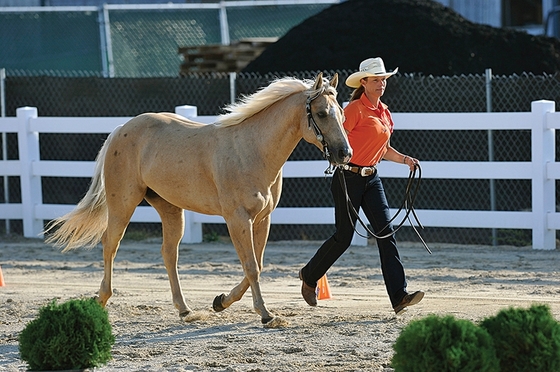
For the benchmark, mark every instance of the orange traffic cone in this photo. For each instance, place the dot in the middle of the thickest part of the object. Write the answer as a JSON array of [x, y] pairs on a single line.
[[2, 284], [323, 290]]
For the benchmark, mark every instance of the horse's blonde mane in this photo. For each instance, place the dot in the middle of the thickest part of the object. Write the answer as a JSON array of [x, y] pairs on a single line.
[[252, 104]]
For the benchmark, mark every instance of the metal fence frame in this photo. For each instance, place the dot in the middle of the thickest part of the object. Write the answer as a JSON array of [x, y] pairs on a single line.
[[104, 19]]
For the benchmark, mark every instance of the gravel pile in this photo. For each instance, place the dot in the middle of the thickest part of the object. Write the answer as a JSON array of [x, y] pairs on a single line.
[[418, 36]]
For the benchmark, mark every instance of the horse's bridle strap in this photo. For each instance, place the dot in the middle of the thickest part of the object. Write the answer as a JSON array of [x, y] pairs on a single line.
[[312, 124], [363, 171]]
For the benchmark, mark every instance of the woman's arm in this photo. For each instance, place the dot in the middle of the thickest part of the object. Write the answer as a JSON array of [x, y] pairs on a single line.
[[397, 157]]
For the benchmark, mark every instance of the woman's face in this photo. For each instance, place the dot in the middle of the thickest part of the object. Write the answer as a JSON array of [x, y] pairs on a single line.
[[374, 85]]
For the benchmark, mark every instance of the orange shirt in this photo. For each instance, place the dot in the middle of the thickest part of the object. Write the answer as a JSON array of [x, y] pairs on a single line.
[[369, 129]]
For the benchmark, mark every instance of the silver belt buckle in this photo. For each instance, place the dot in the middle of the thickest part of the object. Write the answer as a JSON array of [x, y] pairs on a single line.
[[366, 171]]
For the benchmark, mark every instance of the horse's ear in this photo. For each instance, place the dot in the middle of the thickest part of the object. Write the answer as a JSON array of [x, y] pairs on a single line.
[[318, 82], [334, 80]]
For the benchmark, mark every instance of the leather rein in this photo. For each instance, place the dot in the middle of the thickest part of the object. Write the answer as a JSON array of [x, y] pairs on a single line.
[[407, 205]]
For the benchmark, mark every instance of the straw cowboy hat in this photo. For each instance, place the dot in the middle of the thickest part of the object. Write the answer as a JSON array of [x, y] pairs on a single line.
[[369, 67]]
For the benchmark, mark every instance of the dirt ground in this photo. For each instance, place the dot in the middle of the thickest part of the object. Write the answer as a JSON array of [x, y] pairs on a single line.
[[352, 331]]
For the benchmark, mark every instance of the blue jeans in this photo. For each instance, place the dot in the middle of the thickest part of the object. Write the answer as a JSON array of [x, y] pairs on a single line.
[[366, 193]]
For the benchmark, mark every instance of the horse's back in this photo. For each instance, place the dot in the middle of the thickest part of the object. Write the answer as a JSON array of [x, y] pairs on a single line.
[[162, 132], [176, 119], [162, 120], [167, 154]]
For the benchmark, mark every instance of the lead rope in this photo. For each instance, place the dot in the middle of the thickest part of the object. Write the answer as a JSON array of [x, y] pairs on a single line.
[[407, 205]]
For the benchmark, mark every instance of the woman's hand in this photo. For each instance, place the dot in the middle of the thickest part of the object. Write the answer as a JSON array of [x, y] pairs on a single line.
[[411, 162]]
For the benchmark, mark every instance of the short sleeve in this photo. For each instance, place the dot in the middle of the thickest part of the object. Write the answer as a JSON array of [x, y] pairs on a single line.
[[390, 120], [351, 115]]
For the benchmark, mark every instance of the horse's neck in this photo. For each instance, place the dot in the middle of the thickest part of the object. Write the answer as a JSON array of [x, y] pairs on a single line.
[[278, 129]]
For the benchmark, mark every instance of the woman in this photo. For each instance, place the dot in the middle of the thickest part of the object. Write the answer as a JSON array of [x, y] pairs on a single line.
[[369, 126]]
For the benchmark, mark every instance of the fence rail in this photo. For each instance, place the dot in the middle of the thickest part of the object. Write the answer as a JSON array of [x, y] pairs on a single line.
[[542, 170]]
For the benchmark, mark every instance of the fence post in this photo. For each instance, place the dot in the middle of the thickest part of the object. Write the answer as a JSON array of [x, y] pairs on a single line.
[[232, 86], [31, 193], [490, 135], [106, 43], [4, 141], [542, 152], [193, 230], [224, 26], [187, 111]]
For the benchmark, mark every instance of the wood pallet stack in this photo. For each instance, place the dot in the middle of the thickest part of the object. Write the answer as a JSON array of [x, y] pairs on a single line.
[[222, 58]]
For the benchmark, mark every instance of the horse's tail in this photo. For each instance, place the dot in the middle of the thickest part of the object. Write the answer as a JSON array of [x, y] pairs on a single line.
[[85, 225]]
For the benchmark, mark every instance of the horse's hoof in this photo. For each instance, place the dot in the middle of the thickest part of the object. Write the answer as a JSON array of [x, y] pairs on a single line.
[[185, 314], [217, 304], [276, 322], [96, 298]]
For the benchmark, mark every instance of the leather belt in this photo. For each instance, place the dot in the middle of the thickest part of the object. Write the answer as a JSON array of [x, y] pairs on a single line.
[[363, 171]]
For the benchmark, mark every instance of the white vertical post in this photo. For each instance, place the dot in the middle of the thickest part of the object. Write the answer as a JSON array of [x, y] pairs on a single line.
[[490, 136], [103, 42], [232, 80], [192, 230], [107, 43], [4, 141], [542, 152], [187, 111], [31, 193], [224, 26]]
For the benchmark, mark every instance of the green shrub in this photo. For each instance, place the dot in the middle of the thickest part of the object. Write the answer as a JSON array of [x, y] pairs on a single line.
[[444, 344], [73, 335], [525, 339], [211, 237]]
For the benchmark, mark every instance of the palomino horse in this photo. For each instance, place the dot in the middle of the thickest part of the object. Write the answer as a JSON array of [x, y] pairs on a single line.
[[232, 168]]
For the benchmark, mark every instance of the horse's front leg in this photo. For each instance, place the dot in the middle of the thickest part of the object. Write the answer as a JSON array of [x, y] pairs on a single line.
[[224, 301], [260, 237], [243, 238]]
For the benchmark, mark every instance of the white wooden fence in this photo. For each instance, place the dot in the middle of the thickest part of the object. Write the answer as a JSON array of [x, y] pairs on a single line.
[[542, 170]]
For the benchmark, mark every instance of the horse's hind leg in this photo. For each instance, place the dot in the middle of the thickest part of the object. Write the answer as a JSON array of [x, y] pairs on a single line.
[[173, 226], [111, 240], [122, 199]]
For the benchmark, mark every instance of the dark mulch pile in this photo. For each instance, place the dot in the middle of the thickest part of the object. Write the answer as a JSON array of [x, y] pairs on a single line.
[[418, 36]]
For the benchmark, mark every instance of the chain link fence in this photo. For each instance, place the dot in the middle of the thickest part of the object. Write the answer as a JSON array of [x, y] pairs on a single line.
[[210, 92], [136, 40], [50, 40]]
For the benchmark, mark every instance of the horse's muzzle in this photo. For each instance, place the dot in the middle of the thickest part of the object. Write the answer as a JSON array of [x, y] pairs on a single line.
[[342, 156]]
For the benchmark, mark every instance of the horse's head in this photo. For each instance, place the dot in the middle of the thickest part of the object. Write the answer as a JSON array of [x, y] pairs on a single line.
[[325, 118]]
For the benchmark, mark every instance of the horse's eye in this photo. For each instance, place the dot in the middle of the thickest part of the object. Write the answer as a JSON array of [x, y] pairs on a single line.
[[322, 114]]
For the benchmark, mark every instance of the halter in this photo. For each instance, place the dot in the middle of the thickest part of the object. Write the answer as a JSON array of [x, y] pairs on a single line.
[[312, 124]]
